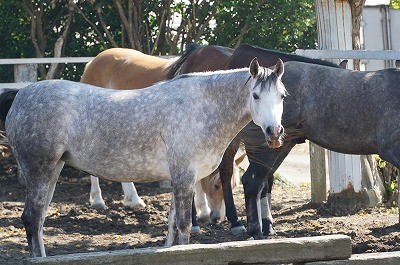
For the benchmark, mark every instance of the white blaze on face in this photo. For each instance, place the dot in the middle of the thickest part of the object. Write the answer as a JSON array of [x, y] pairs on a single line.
[[267, 106], [266, 101]]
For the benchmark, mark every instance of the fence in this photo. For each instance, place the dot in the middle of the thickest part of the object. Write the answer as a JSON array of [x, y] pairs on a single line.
[[25, 69], [318, 250]]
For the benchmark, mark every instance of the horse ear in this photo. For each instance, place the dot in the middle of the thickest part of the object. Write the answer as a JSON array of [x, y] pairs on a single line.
[[254, 67], [343, 64], [279, 68]]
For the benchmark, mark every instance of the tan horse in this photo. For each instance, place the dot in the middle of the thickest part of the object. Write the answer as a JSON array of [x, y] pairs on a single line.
[[120, 68]]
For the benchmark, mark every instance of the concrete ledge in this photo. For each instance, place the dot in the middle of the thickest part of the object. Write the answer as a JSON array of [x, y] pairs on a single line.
[[269, 251], [381, 258]]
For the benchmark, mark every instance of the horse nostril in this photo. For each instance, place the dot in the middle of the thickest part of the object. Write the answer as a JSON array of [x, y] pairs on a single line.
[[269, 130]]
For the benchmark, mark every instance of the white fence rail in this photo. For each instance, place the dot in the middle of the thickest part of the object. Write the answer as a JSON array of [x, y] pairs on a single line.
[[25, 69], [351, 54], [46, 60]]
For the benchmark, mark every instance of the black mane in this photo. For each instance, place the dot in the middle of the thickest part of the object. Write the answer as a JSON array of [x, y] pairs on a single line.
[[288, 56]]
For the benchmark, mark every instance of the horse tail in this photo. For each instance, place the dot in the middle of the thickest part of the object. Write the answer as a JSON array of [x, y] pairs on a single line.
[[7, 96], [177, 65]]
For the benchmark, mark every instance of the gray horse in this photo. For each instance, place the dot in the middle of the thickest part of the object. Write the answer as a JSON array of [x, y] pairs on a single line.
[[177, 130], [345, 111]]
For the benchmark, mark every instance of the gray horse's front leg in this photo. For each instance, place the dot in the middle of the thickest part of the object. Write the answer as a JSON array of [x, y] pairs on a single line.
[[181, 211]]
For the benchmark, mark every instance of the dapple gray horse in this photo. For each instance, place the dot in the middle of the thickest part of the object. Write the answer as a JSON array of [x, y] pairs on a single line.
[[176, 130], [345, 111]]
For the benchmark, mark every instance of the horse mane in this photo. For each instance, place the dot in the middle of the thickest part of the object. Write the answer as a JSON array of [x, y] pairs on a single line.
[[177, 65], [285, 56]]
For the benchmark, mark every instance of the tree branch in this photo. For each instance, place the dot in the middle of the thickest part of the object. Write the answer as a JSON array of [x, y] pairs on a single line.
[[125, 22], [207, 20], [91, 24], [162, 22], [60, 43], [103, 24], [246, 28]]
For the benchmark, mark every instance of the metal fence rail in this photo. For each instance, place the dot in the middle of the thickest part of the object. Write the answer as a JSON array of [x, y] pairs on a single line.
[[351, 54]]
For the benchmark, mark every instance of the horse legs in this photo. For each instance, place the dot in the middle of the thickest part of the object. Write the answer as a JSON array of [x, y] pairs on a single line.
[[266, 214], [263, 164], [41, 183], [195, 225], [226, 171], [169, 241], [96, 199], [131, 197], [181, 211]]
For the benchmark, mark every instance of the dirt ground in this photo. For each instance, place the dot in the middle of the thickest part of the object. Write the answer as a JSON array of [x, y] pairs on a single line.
[[72, 226]]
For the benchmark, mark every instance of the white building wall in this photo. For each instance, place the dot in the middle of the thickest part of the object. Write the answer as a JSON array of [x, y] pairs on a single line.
[[380, 31]]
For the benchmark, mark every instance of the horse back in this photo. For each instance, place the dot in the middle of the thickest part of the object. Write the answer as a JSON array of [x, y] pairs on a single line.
[[267, 58], [340, 109], [120, 68], [210, 58]]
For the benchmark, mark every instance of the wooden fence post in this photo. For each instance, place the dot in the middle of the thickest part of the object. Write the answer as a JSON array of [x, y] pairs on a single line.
[[318, 174], [24, 73]]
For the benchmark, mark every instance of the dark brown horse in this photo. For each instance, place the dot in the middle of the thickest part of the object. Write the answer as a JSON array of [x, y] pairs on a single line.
[[258, 179]]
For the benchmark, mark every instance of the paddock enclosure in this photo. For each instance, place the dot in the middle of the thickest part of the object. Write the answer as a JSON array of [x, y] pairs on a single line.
[[383, 235]]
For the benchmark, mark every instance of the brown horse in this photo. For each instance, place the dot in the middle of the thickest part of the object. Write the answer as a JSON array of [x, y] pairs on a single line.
[[124, 69]]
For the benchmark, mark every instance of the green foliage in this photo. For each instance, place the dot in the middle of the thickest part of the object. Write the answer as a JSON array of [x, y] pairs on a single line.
[[282, 25], [395, 4], [15, 36], [389, 174]]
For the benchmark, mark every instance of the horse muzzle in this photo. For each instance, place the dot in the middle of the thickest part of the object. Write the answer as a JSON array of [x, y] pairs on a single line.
[[273, 135]]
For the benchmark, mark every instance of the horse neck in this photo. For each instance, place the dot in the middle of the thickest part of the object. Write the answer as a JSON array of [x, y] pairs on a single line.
[[229, 95]]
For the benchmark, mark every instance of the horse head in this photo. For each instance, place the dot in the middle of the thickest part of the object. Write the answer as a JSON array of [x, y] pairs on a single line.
[[266, 101]]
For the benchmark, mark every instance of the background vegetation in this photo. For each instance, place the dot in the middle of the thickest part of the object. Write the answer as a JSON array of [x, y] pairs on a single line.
[[58, 28]]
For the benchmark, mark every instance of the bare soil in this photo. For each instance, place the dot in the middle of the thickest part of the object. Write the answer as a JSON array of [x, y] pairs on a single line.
[[72, 226]]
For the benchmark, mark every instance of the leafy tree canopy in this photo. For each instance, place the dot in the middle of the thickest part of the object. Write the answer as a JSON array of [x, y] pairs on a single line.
[[58, 28]]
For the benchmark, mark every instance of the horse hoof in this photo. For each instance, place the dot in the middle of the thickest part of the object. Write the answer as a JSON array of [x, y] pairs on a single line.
[[204, 219], [98, 206], [272, 232], [269, 230], [195, 230], [238, 230], [135, 205]]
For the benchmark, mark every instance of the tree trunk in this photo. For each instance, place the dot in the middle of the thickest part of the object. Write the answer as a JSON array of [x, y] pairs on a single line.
[[356, 10]]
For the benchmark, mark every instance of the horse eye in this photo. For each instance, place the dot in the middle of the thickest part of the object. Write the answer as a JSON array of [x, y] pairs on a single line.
[[255, 96], [283, 96]]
